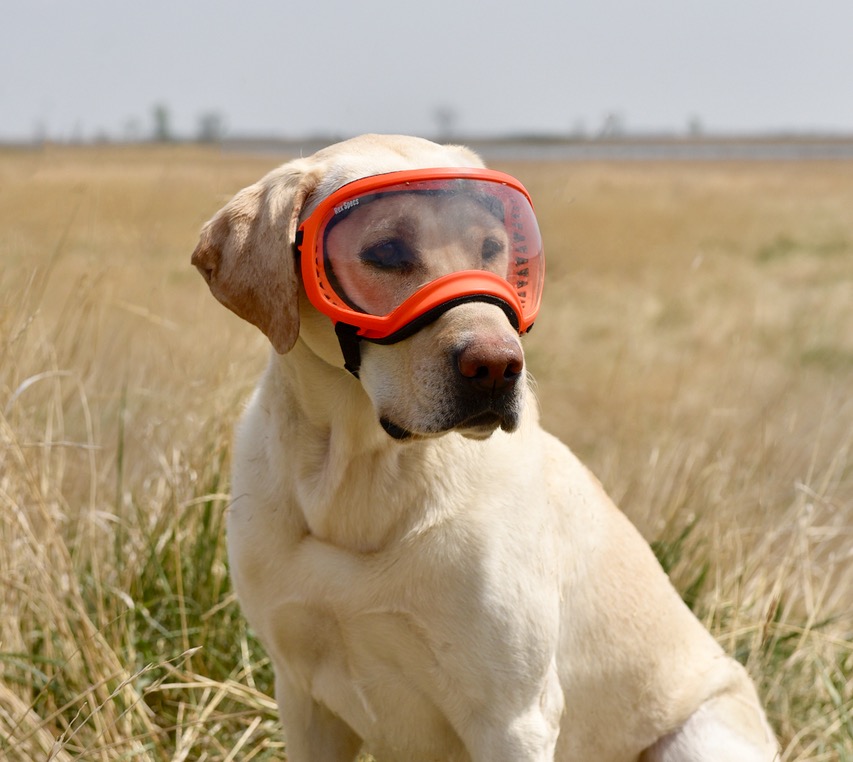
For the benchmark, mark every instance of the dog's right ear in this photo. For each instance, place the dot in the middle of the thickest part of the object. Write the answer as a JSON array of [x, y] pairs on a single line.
[[245, 252]]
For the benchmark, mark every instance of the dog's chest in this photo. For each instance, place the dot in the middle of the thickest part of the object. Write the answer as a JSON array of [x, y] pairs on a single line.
[[377, 670], [406, 645]]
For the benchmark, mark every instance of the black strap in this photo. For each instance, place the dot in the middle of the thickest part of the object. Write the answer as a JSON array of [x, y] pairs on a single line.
[[349, 340]]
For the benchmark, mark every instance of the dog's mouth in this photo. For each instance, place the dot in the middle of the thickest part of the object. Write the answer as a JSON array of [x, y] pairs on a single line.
[[478, 426], [395, 431], [483, 425]]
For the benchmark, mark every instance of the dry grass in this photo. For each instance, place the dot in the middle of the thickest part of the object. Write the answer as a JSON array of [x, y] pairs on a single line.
[[696, 348]]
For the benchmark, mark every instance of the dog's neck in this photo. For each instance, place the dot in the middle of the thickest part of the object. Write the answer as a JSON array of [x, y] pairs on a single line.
[[340, 464]]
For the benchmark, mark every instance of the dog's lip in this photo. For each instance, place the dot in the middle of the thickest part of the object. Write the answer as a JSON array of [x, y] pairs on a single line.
[[488, 419], [481, 424], [395, 431]]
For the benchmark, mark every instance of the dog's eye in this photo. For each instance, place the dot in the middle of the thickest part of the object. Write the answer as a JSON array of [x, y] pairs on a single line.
[[389, 255], [492, 249]]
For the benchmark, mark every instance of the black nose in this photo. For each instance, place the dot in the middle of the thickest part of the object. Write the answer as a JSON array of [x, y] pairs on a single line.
[[490, 365]]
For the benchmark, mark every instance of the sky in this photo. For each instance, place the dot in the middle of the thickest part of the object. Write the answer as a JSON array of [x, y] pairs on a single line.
[[86, 69]]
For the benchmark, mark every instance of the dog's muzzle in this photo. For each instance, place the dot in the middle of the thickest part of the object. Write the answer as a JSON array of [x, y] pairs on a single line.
[[484, 393]]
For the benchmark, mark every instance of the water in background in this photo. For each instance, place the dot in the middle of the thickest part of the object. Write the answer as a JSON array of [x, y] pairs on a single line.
[[605, 149]]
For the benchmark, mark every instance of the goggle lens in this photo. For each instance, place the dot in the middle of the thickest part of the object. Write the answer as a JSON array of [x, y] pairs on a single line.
[[374, 245]]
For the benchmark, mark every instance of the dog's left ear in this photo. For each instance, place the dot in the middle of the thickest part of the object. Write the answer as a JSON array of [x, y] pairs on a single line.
[[245, 252]]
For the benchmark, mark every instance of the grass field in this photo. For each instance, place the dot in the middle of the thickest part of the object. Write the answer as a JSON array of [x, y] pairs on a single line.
[[695, 348]]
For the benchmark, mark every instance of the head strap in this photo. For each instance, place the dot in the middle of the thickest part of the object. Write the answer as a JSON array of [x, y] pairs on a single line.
[[349, 340]]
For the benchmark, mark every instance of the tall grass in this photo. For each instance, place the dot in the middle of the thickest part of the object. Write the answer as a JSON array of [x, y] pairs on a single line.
[[120, 638], [695, 348]]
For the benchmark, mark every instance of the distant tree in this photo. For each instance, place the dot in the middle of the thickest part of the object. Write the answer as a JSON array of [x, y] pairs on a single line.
[[613, 126], [446, 118], [695, 128], [162, 123], [211, 127]]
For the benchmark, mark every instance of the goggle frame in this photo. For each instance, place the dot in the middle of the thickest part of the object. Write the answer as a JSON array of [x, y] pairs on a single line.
[[463, 285]]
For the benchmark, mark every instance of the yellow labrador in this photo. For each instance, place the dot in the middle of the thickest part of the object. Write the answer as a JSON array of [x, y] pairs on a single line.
[[433, 575]]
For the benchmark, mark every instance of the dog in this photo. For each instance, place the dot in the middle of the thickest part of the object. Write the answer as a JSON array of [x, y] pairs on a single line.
[[433, 575]]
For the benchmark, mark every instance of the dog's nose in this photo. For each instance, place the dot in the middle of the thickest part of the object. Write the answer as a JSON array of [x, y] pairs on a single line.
[[490, 365]]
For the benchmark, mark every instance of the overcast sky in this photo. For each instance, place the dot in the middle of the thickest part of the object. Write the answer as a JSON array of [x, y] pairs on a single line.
[[83, 68]]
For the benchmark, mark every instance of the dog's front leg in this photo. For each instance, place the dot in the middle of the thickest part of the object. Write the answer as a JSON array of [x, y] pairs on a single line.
[[312, 733], [529, 736]]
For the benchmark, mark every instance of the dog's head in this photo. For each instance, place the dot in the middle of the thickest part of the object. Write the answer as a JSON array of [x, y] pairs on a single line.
[[462, 369]]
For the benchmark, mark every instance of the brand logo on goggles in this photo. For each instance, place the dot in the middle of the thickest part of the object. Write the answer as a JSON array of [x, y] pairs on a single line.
[[346, 205]]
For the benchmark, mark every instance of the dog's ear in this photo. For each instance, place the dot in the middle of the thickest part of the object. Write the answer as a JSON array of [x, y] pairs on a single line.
[[245, 253]]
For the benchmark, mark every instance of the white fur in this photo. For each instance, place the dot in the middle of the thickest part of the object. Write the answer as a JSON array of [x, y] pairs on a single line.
[[467, 594]]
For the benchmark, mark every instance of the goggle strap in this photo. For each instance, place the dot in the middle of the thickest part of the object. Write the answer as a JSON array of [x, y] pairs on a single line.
[[349, 340]]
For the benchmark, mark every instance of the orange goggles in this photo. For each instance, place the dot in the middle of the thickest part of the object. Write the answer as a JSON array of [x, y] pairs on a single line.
[[389, 253]]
